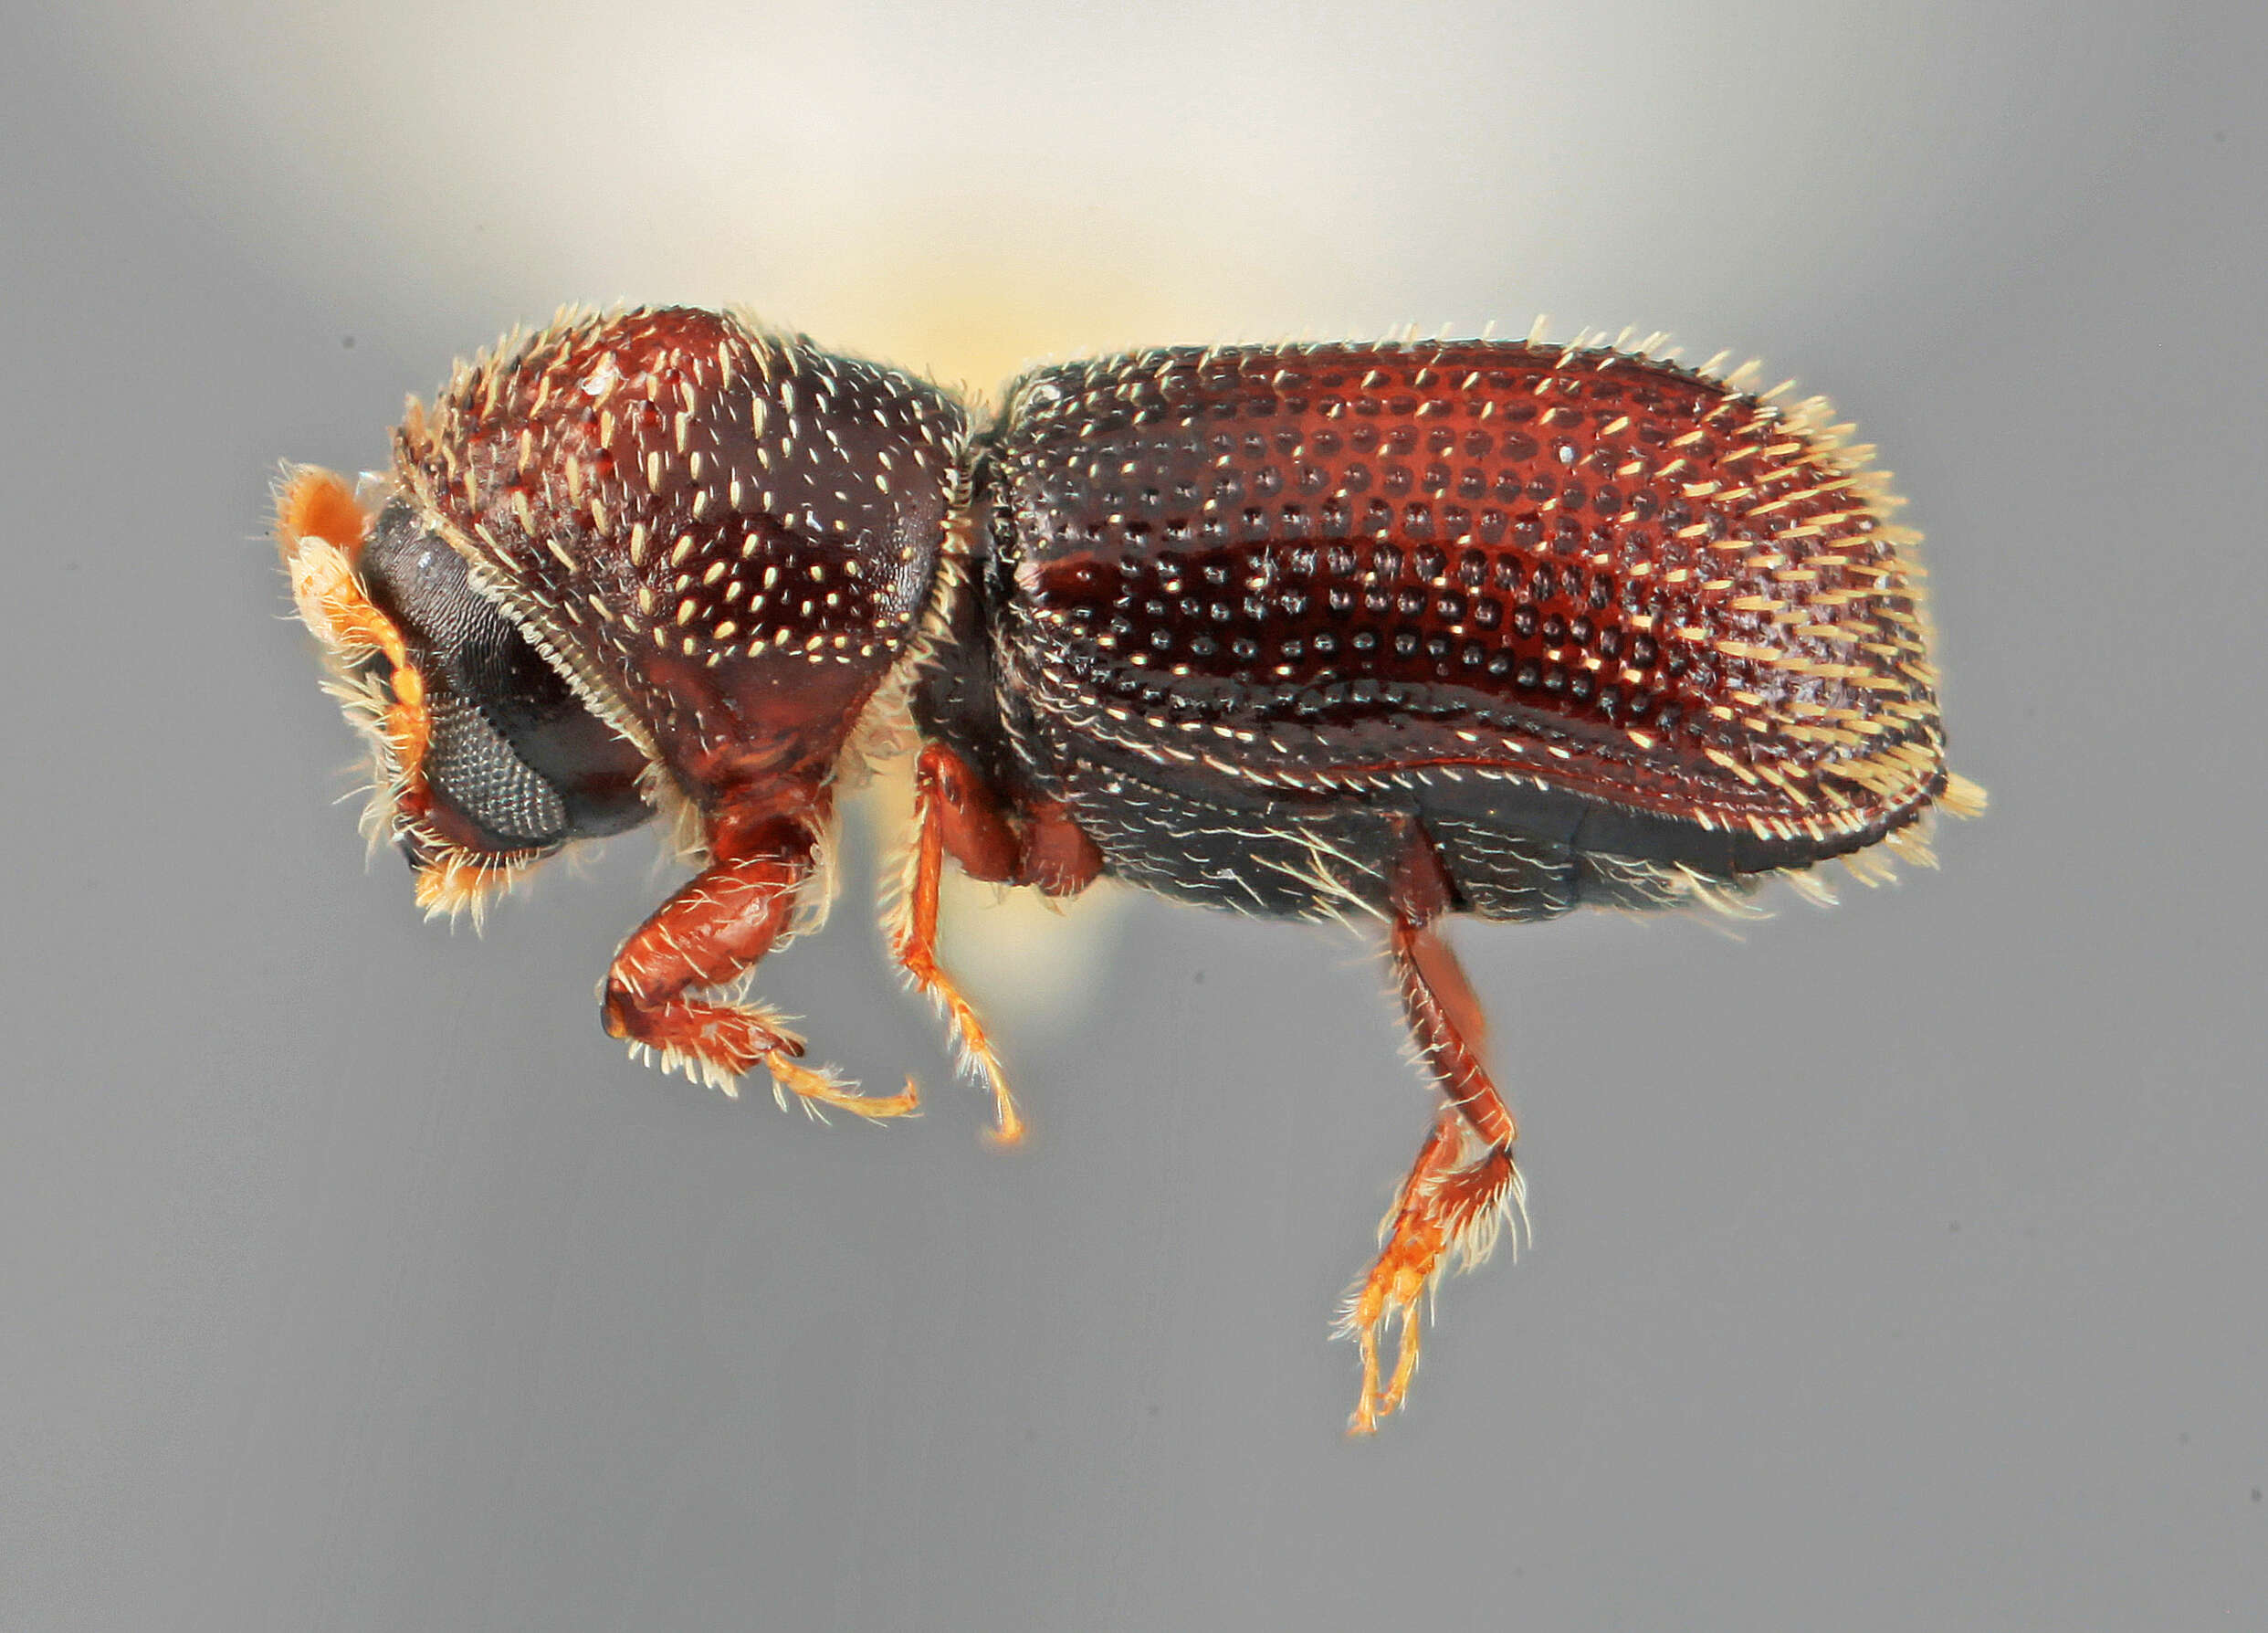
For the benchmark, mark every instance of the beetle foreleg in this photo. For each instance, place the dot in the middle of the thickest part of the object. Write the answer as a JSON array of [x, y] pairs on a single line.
[[708, 934]]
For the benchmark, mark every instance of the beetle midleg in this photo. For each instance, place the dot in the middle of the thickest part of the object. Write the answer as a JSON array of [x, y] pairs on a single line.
[[953, 811], [710, 934], [1057, 855], [956, 815], [1451, 1205]]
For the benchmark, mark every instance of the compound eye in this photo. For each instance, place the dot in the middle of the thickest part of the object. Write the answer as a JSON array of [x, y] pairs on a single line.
[[474, 770], [516, 762]]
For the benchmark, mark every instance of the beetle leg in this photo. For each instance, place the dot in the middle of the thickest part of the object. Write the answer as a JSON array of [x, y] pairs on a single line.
[[1399, 1278], [953, 810], [1452, 1206], [1057, 855], [956, 815], [708, 934]]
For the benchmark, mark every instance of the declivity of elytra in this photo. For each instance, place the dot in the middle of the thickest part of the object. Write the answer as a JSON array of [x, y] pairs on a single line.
[[1378, 633]]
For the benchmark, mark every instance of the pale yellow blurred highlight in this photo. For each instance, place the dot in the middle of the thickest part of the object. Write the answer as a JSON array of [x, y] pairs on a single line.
[[973, 324], [963, 190]]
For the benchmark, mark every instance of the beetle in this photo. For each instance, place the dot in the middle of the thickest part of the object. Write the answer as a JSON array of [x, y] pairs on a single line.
[[1393, 630]]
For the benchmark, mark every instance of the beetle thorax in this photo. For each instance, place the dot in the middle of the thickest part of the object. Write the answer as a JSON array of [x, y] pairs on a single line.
[[725, 537]]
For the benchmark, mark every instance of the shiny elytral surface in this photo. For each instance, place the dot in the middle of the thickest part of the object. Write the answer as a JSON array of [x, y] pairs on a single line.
[[1308, 569]]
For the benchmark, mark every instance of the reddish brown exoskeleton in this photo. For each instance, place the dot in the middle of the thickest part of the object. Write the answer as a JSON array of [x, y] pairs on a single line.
[[1395, 630]]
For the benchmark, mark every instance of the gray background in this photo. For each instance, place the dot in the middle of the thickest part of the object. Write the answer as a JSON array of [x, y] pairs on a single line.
[[1898, 1266]]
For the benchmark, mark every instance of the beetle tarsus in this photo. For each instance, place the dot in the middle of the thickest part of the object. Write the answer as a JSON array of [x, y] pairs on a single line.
[[822, 1088]]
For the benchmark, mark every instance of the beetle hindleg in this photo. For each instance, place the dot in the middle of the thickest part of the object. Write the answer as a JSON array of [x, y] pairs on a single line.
[[707, 935], [1453, 1203]]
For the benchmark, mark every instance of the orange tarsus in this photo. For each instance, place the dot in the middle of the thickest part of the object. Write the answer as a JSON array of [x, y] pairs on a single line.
[[817, 1087], [1406, 1264]]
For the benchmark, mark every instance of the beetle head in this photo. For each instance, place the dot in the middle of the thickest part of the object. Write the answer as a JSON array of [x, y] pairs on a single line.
[[485, 759]]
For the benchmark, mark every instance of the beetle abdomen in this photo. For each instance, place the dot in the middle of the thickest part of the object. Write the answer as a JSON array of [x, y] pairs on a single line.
[[1316, 858], [1563, 604]]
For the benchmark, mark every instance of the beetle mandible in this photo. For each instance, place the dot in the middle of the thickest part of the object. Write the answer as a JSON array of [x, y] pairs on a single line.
[[1395, 630]]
